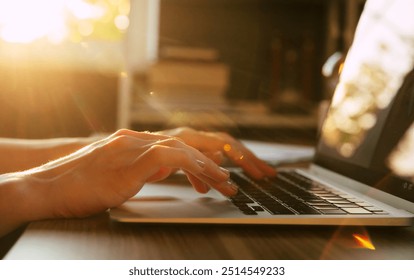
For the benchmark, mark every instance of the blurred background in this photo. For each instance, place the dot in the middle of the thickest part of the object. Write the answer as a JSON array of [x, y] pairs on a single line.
[[249, 67]]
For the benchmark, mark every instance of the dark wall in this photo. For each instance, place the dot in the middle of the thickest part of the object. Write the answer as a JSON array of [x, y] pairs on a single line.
[[257, 38]]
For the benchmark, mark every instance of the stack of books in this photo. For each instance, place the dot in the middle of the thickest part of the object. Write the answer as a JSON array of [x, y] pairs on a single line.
[[188, 78]]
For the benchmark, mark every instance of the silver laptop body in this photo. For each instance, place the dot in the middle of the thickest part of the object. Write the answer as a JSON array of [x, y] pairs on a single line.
[[175, 201]]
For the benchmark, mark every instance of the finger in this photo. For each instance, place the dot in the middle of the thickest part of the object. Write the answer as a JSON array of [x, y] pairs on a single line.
[[264, 167], [203, 183], [213, 142], [175, 154], [199, 185], [140, 135], [211, 174], [124, 139], [126, 142], [211, 169], [136, 147], [159, 156], [244, 158], [227, 188], [234, 150], [217, 156], [162, 174]]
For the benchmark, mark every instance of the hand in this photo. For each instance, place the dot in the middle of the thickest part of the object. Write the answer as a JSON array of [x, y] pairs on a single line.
[[110, 171], [216, 145]]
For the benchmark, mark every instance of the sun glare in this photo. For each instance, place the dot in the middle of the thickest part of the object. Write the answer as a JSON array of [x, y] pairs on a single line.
[[25, 21]]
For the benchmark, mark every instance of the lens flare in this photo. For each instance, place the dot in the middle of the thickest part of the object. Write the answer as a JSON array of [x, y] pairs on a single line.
[[364, 241], [227, 147]]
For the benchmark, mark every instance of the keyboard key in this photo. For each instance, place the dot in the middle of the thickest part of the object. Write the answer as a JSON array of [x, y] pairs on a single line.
[[317, 203], [275, 207], [347, 196], [333, 211], [364, 204], [291, 193], [257, 208], [329, 206], [320, 192], [338, 200], [346, 205], [302, 208], [246, 209], [328, 196], [261, 197], [356, 211], [292, 189], [240, 197], [374, 209]]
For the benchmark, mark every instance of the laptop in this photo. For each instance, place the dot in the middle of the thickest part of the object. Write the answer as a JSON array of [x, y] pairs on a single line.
[[335, 189], [348, 183]]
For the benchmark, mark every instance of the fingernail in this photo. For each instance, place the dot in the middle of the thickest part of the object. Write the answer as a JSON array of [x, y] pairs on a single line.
[[231, 188], [206, 188], [200, 163], [218, 154], [224, 171]]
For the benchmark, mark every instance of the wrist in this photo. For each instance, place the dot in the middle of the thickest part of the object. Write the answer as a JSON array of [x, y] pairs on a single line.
[[32, 199]]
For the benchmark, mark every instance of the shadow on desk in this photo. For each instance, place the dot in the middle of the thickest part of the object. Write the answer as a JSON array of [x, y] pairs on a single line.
[[7, 241], [100, 238]]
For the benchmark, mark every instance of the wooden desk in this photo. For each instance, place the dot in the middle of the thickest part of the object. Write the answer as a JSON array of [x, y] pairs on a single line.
[[99, 238]]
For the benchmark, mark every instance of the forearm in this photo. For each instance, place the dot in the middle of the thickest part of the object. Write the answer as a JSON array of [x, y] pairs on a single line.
[[23, 154], [22, 201]]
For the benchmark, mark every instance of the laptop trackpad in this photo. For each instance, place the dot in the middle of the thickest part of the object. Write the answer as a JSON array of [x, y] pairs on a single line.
[[163, 200]]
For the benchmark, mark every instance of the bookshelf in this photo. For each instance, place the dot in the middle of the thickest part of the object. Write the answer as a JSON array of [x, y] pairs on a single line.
[[225, 118]]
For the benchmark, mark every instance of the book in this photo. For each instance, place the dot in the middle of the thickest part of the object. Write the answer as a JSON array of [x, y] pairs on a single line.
[[182, 75], [189, 53]]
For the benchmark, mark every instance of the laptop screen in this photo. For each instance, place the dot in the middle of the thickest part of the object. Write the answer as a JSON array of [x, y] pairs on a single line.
[[373, 104], [369, 162]]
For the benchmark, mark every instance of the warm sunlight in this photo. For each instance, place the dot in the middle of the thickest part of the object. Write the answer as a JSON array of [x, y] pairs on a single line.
[[25, 21]]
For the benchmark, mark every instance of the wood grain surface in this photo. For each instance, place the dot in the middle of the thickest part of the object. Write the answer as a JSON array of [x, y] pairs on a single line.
[[100, 238]]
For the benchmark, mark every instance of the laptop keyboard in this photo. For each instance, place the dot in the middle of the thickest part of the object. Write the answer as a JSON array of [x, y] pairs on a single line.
[[290, 193]]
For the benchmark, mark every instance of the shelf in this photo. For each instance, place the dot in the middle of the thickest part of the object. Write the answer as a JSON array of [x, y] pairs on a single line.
[[219, 118]]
